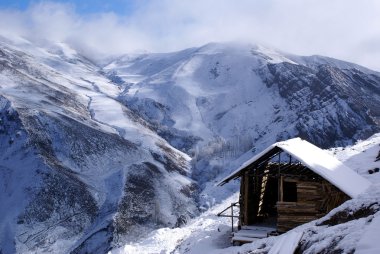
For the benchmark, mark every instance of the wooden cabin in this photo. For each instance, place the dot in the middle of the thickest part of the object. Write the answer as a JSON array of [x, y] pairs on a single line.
[[288, 184]]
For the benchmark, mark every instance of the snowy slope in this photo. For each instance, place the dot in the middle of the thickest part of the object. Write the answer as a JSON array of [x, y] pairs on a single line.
[[81, 158], [235, 92], [352, 226], [220, 102]]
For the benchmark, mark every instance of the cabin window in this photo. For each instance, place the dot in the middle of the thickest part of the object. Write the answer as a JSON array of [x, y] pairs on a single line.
[[289, 191]]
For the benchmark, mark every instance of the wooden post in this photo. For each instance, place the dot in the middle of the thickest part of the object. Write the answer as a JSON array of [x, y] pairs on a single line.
[[241, 200], [281, 189], [279, 178], [246, 198], [232, 217]]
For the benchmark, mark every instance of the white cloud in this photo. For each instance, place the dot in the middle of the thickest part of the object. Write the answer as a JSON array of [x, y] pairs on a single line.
[[345, 29]]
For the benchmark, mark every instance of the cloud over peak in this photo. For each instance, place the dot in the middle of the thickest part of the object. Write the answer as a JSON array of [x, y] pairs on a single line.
[[346, 29]]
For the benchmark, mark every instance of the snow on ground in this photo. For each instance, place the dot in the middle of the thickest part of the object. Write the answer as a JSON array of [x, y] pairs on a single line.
[[366, 244], [202, 235], [360, 157], [211, 234]]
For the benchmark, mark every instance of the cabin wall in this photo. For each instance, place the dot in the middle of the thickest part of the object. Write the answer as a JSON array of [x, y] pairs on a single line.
[[292, 214], [310, 199], [314, 200]]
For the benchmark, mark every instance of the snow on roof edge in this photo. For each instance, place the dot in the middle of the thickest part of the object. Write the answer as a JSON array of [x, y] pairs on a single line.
[[318, 161]]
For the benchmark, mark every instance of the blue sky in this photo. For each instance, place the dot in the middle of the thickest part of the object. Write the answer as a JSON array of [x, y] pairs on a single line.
[[120, 7], [343, 29]]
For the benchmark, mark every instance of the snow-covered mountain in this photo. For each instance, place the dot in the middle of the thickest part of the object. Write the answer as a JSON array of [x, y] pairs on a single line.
[[219, 101], [79, 171], [94, 155]]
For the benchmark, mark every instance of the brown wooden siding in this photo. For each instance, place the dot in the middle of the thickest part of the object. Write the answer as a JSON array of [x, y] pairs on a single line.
[[314, 200]]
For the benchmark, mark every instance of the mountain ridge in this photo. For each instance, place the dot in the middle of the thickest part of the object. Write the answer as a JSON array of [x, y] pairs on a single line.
[[173, 123]]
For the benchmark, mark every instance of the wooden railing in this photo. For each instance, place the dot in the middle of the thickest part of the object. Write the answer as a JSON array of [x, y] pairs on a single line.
[[232, 216]]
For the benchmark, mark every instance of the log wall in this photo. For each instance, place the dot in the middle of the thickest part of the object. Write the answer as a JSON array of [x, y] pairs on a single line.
[[314, 200]]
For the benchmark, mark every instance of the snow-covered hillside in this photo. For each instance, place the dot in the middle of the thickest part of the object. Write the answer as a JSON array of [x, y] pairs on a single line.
[[95, 155], [79, 171], [351, 227], [220, 101]]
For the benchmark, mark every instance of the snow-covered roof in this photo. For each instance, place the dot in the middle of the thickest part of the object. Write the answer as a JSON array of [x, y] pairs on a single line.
[[318, 161]]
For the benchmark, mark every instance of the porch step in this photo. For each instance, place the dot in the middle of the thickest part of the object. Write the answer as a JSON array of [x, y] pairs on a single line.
[[252, 227], [251, 233], [243, 239]]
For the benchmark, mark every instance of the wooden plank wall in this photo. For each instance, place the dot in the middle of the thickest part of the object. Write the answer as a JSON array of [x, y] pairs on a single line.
[[332, 197], [292, 214], [314, 200]]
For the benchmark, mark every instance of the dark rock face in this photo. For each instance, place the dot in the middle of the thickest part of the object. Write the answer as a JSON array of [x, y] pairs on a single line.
[[57, 203], [333, 106], [72, 152], [137, 205], [349, 215], [143, 208]]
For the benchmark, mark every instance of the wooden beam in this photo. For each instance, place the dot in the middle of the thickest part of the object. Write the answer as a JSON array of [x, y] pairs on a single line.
[[281, 189], [246, 198]]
